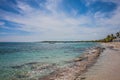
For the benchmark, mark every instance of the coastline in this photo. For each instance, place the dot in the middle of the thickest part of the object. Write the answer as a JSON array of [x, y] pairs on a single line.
[[107, 66], [97, 63], [78, 67], [74, 62]]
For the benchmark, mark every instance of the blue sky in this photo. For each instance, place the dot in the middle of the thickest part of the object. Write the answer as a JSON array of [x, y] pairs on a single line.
[[38, 20]]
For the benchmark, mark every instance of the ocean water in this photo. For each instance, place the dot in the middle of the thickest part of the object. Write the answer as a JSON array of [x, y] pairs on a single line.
[[25, 61]]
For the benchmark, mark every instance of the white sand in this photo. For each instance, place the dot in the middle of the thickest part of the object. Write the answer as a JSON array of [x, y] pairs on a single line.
[[107, 66]]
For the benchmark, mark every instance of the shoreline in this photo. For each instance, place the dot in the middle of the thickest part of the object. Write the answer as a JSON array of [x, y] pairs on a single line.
[[78, 67], [70, 71], [107, 66], [97, 63]]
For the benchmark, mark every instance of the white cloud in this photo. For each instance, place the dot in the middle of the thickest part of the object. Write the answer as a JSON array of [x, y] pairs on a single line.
[[113, 20], [52, 5], [58, 25]]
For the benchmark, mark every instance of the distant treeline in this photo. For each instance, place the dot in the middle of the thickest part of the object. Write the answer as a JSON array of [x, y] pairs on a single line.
[[109, 38], [52, 42]]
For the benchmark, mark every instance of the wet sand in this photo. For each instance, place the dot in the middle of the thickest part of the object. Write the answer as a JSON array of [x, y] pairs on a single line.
[[107, 66]]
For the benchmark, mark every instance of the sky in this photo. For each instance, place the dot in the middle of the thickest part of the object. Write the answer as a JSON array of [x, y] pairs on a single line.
[[69, 20]]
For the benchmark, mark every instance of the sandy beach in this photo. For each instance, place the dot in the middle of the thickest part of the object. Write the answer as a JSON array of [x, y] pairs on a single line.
[[107, 66], [99, 64]]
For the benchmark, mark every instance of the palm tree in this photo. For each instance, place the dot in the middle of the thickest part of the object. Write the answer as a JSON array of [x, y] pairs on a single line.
[[112, 35], [117, 34]]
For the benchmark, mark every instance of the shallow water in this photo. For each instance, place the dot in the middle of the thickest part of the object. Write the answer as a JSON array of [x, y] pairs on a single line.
[[31, 60]]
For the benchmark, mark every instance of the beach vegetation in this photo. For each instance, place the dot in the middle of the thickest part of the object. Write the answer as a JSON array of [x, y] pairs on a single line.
[[110, 38]]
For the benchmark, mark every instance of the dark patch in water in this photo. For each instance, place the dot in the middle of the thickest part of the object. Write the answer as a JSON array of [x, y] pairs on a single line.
[[17, 67], [20, 66], [35, 66], [21, 76]]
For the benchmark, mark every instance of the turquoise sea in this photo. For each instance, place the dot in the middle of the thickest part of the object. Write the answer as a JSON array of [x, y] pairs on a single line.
[[30, 60]]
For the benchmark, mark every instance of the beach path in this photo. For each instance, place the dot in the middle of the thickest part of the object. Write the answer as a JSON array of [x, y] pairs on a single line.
[[107, 67]]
